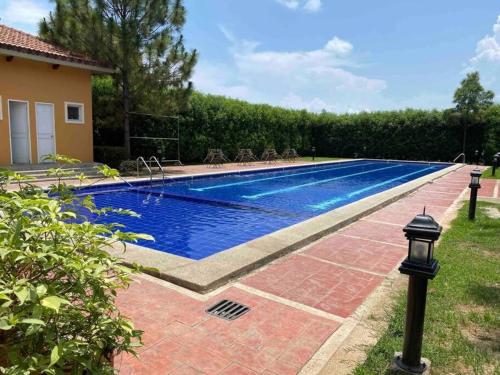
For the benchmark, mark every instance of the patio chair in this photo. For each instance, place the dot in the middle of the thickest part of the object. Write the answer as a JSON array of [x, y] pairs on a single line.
[[290, 154], [221, 154], [215, 157], [239, 155], [210, 155], [245, 155], [269, 155]]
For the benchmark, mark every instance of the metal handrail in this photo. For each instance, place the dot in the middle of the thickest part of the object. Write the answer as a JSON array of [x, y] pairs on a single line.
[[458, 157], [153, 159], [140, 158]]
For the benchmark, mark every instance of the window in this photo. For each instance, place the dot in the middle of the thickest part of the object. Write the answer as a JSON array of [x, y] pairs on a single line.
[[74, 113]]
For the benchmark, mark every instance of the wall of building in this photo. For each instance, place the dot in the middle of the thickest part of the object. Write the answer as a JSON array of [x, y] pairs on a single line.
[[34, 81]]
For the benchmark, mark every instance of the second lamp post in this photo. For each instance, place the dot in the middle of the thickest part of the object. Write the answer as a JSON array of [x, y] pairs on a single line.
[[474, 187], [496, 159]]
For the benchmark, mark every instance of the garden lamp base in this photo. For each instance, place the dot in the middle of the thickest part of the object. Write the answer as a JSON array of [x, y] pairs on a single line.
[[398, 368]]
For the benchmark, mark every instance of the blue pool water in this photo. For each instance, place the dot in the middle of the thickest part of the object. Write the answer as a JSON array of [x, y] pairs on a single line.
[[198, 217]]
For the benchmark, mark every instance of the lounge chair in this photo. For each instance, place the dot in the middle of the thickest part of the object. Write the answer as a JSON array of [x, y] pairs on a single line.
[[290, 154], [215, 157], [245, 155], [269, 155], [210, 155]]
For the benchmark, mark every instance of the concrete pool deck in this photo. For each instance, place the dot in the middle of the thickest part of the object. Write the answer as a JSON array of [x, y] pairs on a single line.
[[304, 306], [216, 270]]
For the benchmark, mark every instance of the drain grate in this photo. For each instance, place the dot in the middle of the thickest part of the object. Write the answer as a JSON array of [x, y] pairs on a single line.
[[228, 310]]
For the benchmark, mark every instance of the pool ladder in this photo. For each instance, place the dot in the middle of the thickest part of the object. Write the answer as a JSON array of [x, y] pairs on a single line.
[[152, 160], [462, 155]]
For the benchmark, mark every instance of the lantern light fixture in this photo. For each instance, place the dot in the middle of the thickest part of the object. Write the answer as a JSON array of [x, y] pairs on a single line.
[[421, 233], [475, 176], [420, 265], [474, 186], [496, 160]]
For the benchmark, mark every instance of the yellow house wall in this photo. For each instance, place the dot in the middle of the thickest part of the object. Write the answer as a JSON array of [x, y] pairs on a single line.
[[34, 81]]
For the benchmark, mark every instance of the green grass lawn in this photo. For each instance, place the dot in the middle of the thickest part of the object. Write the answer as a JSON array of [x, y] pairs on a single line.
[[487, 174], [318, 158], [462, 327]]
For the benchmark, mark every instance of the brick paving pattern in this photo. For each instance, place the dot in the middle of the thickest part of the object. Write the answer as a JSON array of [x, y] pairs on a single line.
[[489, 188]]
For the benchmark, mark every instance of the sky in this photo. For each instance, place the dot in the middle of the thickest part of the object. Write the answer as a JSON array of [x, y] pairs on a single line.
[[334, 55]]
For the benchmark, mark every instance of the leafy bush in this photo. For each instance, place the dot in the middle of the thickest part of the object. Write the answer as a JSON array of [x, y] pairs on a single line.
[[58, 284], [111, 155], [128, 167]]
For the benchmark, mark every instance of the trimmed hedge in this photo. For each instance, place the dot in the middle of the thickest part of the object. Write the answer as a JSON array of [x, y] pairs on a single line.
[[492, 132], [407, 135], [110, 155], [229, 124], [218, 122]]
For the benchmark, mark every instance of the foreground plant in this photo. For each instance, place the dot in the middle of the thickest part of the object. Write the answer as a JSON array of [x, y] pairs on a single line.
[[58, 284]]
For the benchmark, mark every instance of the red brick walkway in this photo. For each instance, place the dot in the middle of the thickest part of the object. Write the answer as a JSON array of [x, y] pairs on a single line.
[[297, 302]]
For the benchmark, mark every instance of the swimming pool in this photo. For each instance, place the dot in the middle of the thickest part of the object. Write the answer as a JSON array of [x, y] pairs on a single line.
[[200, 216]]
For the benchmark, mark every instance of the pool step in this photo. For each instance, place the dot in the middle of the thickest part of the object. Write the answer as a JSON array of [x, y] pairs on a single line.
[[39, 172]]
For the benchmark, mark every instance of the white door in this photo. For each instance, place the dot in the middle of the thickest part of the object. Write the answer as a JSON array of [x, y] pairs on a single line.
[[19, 133], [45, 130]]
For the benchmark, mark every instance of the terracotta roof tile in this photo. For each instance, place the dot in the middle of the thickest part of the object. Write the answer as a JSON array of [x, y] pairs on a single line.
[[20, 41]]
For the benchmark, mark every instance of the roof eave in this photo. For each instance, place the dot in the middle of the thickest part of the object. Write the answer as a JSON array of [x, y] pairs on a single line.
[[95, 69]]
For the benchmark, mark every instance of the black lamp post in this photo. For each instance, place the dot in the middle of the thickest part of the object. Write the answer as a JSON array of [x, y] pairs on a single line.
[[496, 158], [313, 151], [476, 156], [420, 265], [474, 186]]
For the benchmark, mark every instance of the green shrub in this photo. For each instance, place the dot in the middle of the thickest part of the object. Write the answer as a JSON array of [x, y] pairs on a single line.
[[128, 167], [110, 155], [58, 284]]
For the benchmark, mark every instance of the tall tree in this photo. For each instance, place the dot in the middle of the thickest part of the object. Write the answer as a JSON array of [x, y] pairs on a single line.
[[470, 100], [142, 39]]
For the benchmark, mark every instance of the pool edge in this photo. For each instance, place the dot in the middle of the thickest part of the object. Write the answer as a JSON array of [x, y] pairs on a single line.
[[216, 270]]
